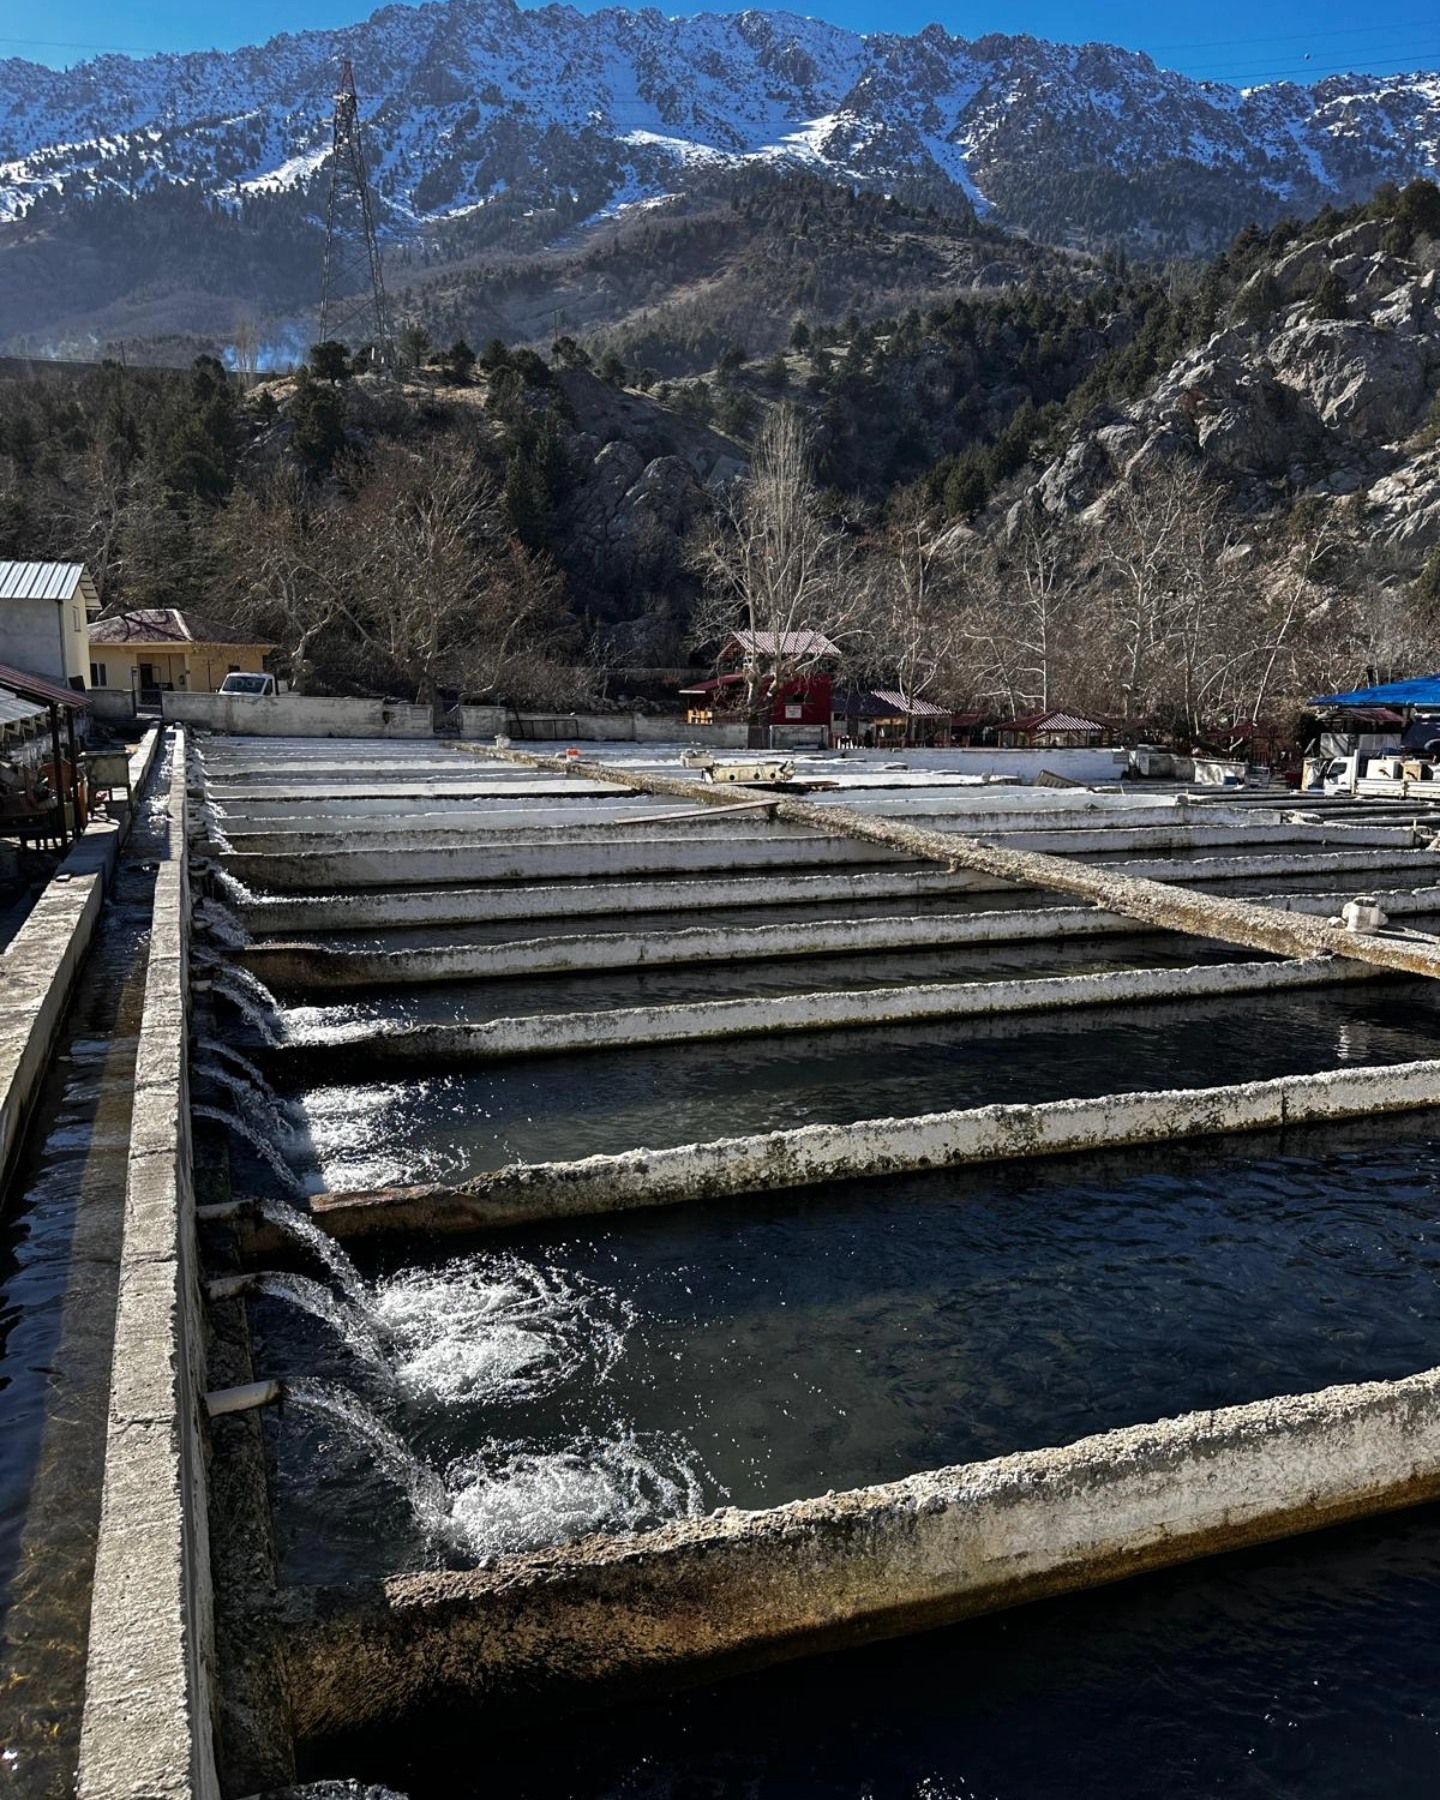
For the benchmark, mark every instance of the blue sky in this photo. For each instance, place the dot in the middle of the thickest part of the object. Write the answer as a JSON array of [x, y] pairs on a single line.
[[1224, 40]]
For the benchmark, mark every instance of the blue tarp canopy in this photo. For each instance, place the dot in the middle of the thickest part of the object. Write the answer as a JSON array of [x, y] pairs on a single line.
[[1424, 690]]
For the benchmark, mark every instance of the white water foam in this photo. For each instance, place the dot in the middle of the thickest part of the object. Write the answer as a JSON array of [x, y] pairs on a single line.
[[223, 923], [235, 890], [496, 1329], [361, 1134], [211, 814], [507, 1499]]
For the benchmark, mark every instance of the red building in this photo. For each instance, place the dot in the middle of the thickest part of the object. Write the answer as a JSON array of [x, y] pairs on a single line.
[[784, 672]]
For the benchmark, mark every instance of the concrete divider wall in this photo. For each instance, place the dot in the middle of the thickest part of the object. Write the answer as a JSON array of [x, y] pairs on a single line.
[[629, 1027], [741, 1589], [45, 956], [810, 1155], [316, 871], [147, 1732]]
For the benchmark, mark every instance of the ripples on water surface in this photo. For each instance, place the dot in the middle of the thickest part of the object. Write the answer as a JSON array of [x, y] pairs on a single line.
[[1309, 1670], [799, 1344], [450, 1125]]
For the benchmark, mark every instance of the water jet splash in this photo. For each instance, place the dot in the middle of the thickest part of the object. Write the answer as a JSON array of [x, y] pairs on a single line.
[[211, 814], [252, 1000], [257, 1102], [496, 1330], [235, 891], [258, 1141], [304, 1231], [222, 924], [212, 1047], [349, 1321], [392, 1456], [507, 1498]]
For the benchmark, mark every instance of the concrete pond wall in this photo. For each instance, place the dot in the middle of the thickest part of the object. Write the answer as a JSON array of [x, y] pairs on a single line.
[[146, 1732], [43, 959], [740, 1589], [622, 1615]]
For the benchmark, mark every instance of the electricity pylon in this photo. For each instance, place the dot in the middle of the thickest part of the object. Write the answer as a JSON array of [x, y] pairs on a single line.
[[353, 307]]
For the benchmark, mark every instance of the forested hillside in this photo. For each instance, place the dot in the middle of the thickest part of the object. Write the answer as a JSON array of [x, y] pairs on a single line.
[[1183, 498]]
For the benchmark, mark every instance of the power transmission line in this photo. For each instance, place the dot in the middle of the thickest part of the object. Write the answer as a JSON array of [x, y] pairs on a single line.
[[353, 304]]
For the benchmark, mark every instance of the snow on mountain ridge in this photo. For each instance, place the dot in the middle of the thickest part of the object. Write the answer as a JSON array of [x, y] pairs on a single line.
[[470, 99]]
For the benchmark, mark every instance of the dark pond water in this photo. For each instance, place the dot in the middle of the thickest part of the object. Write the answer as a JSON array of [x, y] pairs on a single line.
[[1306, 1671], [454, 1124], [771, 1349], [60, 1228], [445, 1002]]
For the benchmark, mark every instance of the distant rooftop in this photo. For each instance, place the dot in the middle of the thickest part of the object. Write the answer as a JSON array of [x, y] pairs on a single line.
[[58, 581], [784, 643], [169, 625]]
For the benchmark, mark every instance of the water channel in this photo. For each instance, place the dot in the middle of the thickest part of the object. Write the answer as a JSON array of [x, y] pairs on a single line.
[[59, 1250]]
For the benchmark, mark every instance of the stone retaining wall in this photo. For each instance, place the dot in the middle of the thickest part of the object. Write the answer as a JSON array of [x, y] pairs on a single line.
[[43, 959]]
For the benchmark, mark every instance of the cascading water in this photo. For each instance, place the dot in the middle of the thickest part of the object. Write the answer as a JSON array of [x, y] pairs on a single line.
[[263, 1146], [235, 891], [306, 1232], [349, 1319], [222, 924], [392, 1456], [212, 1047], [507, 1498], [212, 813], [488, 1332], [257, 1101], [252, 1000]]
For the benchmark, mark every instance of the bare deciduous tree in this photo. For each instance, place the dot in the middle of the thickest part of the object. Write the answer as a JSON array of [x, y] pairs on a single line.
[[410, 586], [776, 571], [914, 583]]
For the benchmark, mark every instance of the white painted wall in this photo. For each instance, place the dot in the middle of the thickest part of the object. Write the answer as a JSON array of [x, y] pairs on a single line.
[[298, 715]]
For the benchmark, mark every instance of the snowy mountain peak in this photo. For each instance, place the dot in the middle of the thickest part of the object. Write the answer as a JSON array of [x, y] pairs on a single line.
[[480, 115]]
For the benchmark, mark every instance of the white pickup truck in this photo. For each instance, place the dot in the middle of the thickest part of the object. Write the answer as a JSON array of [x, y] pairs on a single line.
[[1388, 776], [256, 687]]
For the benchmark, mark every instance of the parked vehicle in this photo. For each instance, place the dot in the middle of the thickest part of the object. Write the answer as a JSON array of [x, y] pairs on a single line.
[[255, 687], [1391, 776]]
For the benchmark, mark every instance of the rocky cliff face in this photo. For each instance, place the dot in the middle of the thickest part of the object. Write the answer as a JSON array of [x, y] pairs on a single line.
[[1290, 402]]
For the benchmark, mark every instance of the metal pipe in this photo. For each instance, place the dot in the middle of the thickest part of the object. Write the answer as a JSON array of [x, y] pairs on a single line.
[[221, 1401], [230, 1287]]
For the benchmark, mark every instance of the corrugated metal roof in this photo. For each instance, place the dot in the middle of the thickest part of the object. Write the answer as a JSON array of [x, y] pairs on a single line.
[[15, 711], [58, 581], [1423, 690], [1052, 721], [169, 625], [917, 709], [785, 643], [40, 687]]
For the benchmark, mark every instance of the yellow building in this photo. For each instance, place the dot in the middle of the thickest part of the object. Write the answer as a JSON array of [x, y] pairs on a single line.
[[160, 648]]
